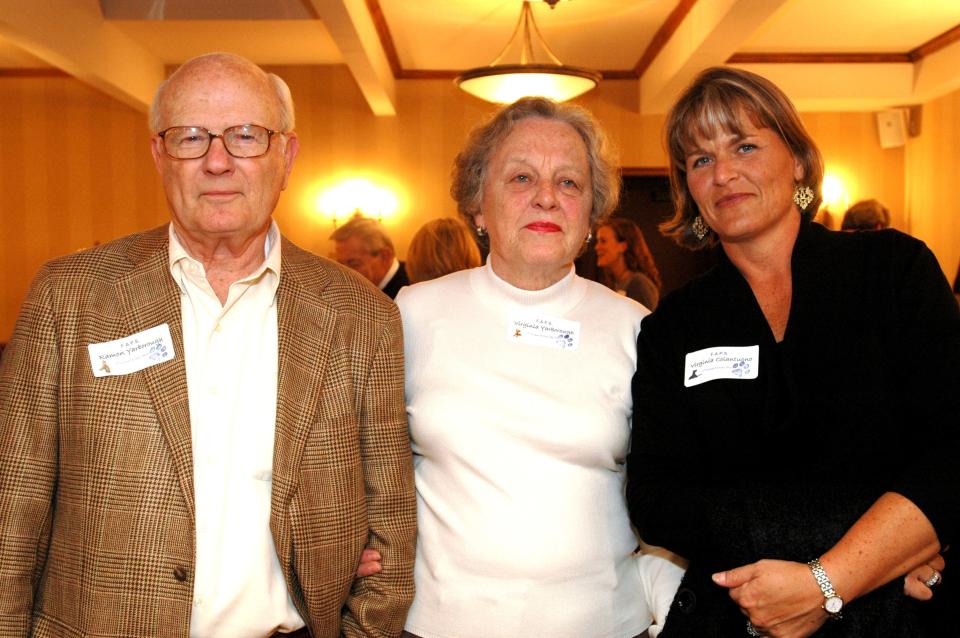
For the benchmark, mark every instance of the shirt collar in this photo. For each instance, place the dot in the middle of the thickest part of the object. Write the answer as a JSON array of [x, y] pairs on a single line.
[[394, 267], [178, 256]]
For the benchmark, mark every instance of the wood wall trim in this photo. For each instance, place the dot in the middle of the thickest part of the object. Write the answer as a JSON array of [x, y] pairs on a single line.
[[818, 58], [386, 38], [33, 73], [663, 35], [644, 171], [941, 41]]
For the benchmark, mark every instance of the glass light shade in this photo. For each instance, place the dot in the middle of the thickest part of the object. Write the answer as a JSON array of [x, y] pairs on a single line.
[[506, 83]]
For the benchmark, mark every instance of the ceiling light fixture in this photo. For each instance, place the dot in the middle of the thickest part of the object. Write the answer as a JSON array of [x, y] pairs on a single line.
[[538, 72]]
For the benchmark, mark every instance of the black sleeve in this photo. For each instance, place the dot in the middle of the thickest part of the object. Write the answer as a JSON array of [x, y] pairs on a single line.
[[927, 371]]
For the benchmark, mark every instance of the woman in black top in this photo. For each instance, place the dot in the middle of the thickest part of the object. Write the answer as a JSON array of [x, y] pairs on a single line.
[[795, 430]]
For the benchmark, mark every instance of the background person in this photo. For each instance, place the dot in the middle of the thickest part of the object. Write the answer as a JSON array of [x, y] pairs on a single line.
[[519, 403], [440, 247], [363, 245], [867, 214], [626, 263], [788, 402], [202, 425]]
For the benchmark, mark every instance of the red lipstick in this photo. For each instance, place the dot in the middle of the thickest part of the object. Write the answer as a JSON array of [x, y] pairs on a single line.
[[543, 227]]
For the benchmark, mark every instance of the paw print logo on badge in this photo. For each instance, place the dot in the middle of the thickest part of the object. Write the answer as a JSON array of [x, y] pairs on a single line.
[[158, 352], [565, 341], [740, 368]]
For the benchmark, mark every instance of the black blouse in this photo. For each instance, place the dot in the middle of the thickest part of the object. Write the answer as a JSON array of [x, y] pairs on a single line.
[[859, 398]]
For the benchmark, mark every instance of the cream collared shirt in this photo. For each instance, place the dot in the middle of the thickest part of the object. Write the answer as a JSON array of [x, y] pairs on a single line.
[[230, 352]]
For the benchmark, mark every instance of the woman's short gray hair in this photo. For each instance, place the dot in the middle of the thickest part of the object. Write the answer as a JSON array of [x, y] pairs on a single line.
[[716, 101], [285, 107], [470, 167]]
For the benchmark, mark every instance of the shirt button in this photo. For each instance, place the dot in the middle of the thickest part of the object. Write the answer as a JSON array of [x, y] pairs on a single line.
[[180, 573]]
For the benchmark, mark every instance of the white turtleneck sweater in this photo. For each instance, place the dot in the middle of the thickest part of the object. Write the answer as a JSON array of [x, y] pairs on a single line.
[[519, 405]]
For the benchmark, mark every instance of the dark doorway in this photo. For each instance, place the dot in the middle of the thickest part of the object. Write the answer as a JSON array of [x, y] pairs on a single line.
[[646, 200]]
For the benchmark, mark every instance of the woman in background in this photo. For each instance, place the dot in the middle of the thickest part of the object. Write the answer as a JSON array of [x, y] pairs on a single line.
[[518, 396], [796, 427], [440, 247], [626, 262]]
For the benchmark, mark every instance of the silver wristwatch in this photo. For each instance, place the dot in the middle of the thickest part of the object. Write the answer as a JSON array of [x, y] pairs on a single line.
[[832, 603]]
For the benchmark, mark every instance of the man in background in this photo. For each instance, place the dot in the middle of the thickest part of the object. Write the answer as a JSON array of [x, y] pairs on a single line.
[[202, 425], [363, 245]]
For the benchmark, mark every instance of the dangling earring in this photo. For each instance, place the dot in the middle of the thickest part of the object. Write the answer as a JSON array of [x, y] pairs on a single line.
[[589, 237], [481, 231], [802, 196], [699, 228]]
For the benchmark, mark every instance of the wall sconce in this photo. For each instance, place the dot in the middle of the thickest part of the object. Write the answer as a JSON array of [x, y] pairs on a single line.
[[836, 200], [351, 196]]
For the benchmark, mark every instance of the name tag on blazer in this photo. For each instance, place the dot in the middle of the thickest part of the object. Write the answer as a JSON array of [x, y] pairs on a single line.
[[724, 362], [133, 353]]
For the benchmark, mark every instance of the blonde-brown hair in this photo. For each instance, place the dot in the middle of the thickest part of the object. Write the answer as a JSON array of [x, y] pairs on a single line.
[[440, 247], [716, 101]]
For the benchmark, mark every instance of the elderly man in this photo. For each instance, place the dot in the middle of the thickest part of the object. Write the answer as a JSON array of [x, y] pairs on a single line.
[[363, 244], [202, 426]]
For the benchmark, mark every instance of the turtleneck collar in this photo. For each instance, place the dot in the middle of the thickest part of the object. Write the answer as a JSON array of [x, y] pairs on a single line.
[[557, 299]]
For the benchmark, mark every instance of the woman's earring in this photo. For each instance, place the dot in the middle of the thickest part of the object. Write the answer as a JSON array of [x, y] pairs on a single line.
[[802, 196], [699, 228], [589, 237], [481, 231]]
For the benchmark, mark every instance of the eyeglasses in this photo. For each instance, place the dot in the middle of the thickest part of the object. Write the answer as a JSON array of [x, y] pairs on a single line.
[[191, 142]]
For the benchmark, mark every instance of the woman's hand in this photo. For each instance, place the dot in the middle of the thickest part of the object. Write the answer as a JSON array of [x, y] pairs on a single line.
[[915, 583], [370, 563], [780, 598]]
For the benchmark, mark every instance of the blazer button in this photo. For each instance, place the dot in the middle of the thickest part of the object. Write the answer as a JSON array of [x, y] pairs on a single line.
[[685, 601], [180, 573]]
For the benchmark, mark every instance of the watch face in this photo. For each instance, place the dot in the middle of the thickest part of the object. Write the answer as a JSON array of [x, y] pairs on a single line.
[[833, 604]]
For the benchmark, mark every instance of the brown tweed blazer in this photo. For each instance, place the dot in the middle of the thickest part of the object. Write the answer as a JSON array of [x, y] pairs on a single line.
[[96, 474]]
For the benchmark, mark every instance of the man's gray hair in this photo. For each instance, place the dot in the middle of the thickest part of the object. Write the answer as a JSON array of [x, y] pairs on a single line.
[[369, 231]]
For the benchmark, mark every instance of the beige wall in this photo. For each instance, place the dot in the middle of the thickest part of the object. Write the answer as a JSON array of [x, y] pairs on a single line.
[[933, 181], [76, 168]]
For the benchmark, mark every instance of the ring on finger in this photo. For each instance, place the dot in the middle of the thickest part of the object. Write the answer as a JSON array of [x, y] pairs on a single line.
[[934, 579]]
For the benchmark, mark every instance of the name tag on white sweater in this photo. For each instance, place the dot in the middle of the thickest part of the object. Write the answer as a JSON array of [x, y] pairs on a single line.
[[724, 362], [545, 332], [133, 353]]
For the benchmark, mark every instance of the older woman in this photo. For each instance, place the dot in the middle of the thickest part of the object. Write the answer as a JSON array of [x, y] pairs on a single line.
[[797, 429], [518, 395], [626, 262]]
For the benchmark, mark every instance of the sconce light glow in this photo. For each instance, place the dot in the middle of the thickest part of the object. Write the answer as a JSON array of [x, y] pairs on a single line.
[[342, 199], [836, 198]]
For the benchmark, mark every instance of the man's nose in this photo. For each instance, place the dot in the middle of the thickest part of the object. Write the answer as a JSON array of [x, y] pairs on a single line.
[[217, 159]]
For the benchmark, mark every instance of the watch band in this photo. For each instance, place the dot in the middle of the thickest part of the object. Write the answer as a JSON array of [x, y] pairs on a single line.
[[832, 602]]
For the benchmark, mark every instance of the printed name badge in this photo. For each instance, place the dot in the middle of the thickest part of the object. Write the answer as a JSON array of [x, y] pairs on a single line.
[[546, 332], [730, 362], [133, 353]]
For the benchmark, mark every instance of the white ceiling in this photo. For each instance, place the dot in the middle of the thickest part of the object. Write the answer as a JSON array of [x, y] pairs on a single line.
[[123, 46]]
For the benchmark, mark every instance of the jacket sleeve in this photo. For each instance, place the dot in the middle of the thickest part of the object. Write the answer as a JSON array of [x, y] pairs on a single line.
[[28, 455], [665, 498], [927, 372], [378, 604]]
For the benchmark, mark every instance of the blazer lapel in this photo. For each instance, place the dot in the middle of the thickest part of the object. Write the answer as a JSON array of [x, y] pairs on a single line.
[[149, 297]]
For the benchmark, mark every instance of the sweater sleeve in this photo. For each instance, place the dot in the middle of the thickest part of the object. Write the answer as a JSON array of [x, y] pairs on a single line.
[[927, 371]]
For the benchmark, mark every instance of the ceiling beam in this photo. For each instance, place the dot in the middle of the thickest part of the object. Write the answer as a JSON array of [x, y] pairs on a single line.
[[711, 31], [355, 34], [72, 35]]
